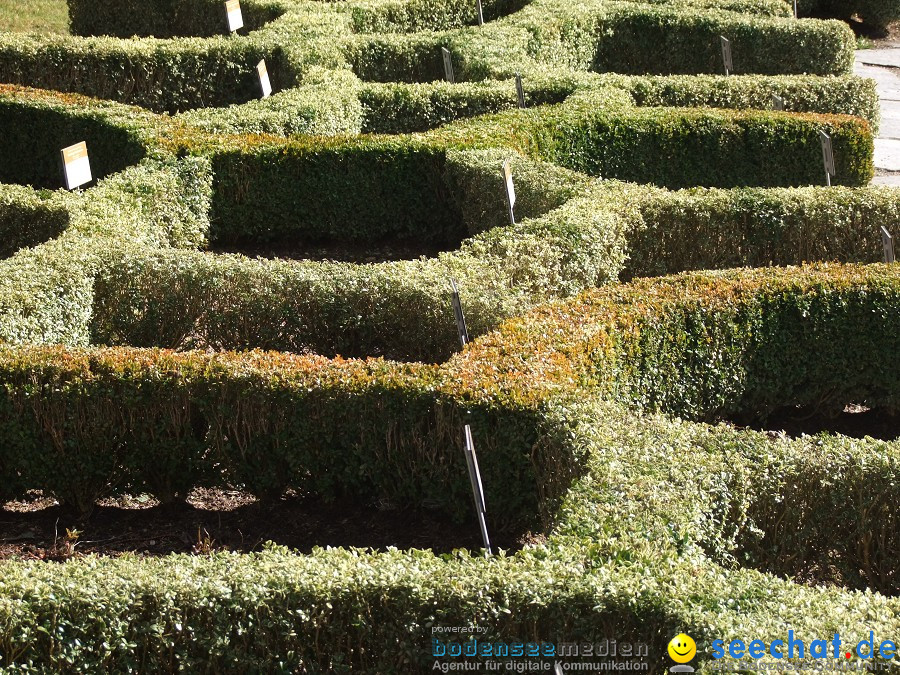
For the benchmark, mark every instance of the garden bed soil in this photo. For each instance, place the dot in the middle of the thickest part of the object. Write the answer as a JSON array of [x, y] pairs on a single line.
[[220, 520], [854, 421]]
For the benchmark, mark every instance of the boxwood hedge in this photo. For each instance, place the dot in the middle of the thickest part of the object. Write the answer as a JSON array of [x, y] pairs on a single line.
[[592, 410], [619, 559], [573, 233], [28, 218]]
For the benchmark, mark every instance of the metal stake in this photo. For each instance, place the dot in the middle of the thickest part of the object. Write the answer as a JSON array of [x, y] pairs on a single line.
[[827, 157], [726, 55], [458, 311], [448, 65], [888, 241], [520, 90], [477, 488]]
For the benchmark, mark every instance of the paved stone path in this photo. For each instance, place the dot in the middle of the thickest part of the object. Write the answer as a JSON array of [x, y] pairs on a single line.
[[883, 66]]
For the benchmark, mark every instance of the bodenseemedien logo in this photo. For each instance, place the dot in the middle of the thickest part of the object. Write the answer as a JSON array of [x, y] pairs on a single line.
[[682, 649]]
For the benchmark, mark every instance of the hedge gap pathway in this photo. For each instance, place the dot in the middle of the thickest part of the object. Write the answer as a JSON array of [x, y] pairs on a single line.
[[883, 66]]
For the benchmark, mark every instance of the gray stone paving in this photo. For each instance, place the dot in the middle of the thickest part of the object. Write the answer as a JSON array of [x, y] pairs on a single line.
[[883, 66]]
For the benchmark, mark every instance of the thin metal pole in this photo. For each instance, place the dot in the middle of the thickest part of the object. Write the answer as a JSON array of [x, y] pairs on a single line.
[[477, 489], [888, 241], [520, 90], [458, 311]]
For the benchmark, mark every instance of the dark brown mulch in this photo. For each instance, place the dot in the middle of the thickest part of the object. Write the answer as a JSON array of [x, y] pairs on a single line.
[[854, 421], [212, 520]]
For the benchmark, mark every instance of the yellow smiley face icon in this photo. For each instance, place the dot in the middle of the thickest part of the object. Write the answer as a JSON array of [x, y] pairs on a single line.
[[682, 648]]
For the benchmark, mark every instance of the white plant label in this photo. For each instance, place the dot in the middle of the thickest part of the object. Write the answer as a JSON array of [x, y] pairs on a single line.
[[235, 17], [777, 102], [726, 55], [448, 65], [76, 165], [264, 82]]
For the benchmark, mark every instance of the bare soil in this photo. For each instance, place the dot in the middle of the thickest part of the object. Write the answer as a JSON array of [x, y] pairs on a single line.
[[854, 421], [212, 520]]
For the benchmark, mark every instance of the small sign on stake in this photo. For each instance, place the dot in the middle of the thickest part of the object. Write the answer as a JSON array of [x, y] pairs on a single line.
[[477, 488], [76, 165], [827, 156], [520, 90], [458, 311], [234, 15], [726, 55], [510, 191], [448, 65], [777, 102], [264, 82], [888, 241], [480, 12]]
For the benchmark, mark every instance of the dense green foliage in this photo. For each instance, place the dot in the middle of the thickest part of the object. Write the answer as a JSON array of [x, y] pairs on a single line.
[[128, 348], [165, 19], [716, 496], [191, 63], [876, 13], [28, 218]]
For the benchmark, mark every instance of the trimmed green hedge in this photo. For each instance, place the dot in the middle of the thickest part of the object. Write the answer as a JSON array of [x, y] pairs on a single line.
[[649, 522], [621, 37], [358, 191], [877, 13], [544, 36], [400, 310], [570, 236], [36, 127], [165, 18], [162, 75], [336, 102], [846, 95], [29, 218], [642, 546], [328, 104], [399, 16], [669, 41], [406, 108], [678, 148], [712, 345], [86, 425], [715, 229], [46, 293]]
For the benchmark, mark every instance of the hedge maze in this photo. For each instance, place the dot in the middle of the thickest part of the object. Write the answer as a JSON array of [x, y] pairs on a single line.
[[674, 264]]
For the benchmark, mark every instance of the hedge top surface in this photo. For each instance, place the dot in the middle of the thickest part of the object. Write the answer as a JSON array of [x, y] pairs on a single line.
[[653, 525]]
